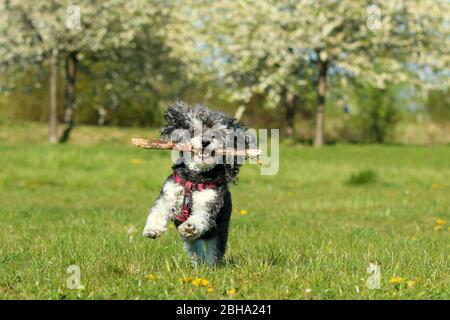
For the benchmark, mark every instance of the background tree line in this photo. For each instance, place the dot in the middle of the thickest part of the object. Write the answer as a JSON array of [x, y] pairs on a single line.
[[347, 70]]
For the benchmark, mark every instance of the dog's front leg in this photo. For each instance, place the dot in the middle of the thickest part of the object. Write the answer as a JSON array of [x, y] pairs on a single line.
[[169, 199], [205, 207]]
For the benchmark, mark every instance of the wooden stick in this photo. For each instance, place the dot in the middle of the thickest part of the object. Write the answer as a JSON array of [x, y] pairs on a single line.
[[158, 144], [170, 145]]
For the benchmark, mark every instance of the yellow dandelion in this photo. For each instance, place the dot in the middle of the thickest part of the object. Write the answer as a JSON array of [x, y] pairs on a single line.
[[136, 161], [440, 222], [210, 290], [243, 212], [151, 277], [410, 283], [204, 282], [186, 279], [437, 186], [391, 194], [231, 291], [396, 280], [200, 282]]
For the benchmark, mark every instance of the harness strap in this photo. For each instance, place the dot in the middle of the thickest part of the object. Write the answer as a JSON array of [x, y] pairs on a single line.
[[189, 186]]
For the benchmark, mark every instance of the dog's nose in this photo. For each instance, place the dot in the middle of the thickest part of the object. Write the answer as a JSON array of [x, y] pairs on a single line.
[[205, 143]]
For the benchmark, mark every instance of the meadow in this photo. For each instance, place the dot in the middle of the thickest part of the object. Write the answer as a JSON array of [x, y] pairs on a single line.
[[310, 232]]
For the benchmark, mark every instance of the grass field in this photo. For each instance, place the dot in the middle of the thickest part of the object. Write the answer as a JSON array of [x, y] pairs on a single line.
[[308, 232]]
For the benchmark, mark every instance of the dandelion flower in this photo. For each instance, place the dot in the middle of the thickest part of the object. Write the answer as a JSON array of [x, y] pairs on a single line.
[[151, 277], [210, 290], [440, 222], [231, 291], [186, 279], [136, 161], [243, 212], [204, 282], [437, 186], [200, 282], [396, 280], [391, 194]]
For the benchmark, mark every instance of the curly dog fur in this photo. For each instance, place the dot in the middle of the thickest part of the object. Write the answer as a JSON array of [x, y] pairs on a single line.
[[205, 232]]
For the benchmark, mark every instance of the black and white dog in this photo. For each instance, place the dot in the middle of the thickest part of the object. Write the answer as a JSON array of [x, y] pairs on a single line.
[[196, 196]]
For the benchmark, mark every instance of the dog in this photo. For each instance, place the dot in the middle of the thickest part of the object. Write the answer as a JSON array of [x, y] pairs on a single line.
[[196, 195]]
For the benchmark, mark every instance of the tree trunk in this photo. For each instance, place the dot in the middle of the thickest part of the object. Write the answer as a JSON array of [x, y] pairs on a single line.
[[69, 95], [53, 110], [320, 113], [290, 114]]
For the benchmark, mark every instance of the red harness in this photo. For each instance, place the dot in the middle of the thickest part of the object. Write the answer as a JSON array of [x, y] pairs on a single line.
[[189, 186]]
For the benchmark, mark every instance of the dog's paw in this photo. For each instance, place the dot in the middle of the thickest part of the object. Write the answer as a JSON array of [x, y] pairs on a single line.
[[153, 232], [188, 230]]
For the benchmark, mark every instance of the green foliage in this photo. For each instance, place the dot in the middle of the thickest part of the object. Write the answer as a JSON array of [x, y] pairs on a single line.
[[437, 105], [362, 178], [374, 114]]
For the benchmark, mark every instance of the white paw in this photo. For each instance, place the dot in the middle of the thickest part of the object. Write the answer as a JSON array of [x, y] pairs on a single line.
[[188, 230], [153, 231]]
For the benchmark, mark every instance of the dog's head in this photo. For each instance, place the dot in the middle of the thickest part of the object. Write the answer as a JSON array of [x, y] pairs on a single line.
[[207, 131]]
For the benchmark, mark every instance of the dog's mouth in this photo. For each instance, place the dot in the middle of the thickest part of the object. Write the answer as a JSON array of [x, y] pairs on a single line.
[[204, 154]]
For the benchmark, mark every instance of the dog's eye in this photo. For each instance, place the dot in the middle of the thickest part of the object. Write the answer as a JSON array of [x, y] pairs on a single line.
[[180, 135]]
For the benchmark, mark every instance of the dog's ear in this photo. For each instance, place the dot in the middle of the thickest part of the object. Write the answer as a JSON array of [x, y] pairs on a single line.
[[176, 117]]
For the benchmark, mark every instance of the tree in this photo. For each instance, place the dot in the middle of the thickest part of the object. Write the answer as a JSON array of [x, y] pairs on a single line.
[[130, 86], [226, 41], [41, 31], [437, 104], [374, 43], [278, 47], [53, 111], [375, 113]]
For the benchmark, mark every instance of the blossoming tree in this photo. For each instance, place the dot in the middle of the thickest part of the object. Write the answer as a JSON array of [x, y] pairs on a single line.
[[278, 47], [41, 32]]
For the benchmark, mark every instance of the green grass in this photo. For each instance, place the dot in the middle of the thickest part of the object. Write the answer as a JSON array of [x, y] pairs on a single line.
[[306, 228]]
